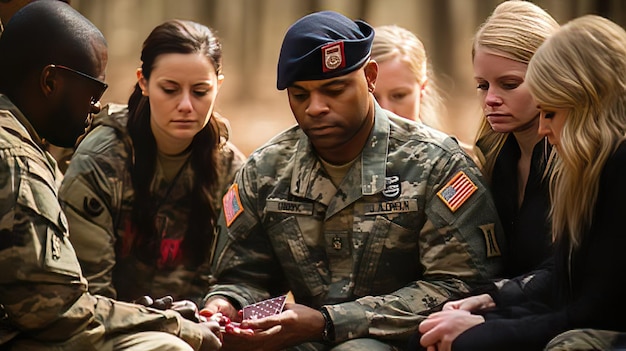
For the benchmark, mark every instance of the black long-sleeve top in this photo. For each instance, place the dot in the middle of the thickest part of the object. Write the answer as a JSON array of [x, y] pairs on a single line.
[[526, 227], [586, 293]]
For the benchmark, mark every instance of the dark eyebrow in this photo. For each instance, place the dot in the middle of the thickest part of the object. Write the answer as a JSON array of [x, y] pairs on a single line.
[[334, 82], [338, 81]]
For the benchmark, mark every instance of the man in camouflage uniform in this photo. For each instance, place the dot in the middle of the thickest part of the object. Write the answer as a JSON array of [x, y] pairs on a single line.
[[7, 9], [370, 220], [50, 56], [588, 340]]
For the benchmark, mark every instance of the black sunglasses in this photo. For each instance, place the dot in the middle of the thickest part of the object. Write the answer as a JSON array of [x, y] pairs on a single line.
[[101, 86]]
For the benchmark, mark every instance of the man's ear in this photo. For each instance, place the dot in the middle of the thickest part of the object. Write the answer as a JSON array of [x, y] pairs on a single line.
[[48, 80], [371, 73]]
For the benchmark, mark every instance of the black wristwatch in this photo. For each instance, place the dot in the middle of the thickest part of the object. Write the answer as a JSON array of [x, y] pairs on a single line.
[[329, 329]]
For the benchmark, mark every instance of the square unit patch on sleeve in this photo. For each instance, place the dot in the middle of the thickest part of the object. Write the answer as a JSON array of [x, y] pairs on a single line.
[[231, 204], [457, 191]]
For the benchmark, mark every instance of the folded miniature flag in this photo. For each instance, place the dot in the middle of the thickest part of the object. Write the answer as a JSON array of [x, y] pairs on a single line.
[[264, 308]]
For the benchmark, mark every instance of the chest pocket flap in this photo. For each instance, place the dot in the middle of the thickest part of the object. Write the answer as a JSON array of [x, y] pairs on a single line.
[[38, 196]]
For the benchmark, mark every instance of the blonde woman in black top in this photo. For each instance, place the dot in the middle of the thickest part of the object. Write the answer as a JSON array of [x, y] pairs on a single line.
[[582, 104]]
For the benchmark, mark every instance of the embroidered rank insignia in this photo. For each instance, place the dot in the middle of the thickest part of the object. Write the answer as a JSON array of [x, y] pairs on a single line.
[[491, 244], [333, 56], [231, 204], [457, 191]]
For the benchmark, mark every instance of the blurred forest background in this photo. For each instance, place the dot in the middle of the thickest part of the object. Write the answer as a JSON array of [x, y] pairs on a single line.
[[251, 33]]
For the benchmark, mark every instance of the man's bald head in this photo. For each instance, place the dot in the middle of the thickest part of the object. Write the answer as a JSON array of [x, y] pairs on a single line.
[[52, 63], [46, 32], [10, 7]]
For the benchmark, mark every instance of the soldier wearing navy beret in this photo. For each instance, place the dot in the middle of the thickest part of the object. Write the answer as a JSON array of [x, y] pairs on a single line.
[[371, 221]]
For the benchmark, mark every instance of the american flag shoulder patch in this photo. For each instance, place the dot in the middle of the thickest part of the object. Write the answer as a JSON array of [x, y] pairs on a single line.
[[264, 308], [231, 204], [457, 191]]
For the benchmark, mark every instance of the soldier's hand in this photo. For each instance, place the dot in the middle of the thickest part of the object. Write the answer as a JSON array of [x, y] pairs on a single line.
[[162, 303], [217, 304], [211, 336], [146, 301], [471, 304], [259, 340], [295, 325], [186, 308], [440, 329]]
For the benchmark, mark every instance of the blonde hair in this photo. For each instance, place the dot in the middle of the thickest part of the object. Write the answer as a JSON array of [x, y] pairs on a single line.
[[392, 41], [581, 69], [515, 30]]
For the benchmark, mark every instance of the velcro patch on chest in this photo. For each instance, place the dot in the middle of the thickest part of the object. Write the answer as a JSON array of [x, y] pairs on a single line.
[[457, 191], [231, 204]]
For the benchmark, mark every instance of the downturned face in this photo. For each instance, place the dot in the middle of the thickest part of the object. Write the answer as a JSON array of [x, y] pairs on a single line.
[[505, 98], [78, 97], [397, 89], [336, 114], [182, 90], [551, 123]]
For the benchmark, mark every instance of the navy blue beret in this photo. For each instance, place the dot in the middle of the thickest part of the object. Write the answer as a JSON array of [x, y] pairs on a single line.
[[323, 45]]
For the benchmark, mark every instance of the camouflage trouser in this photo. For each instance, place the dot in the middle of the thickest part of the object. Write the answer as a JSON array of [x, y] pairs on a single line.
[[350, 345], [587, 340]]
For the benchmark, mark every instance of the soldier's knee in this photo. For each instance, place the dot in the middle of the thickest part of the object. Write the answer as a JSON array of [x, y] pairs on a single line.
[[363, 344], [581, 340], [150, 341]]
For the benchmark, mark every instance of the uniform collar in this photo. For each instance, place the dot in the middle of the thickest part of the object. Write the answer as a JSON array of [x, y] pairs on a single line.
[[25, 130]]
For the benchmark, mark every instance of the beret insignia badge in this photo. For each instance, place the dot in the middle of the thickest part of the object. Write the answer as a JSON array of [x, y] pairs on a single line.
[[333, 56]]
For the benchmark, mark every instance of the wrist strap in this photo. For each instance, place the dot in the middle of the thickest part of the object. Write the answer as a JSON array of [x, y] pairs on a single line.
[[329, 328]]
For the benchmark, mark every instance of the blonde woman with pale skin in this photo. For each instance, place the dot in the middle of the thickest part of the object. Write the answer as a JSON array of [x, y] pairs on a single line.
[[582, 103], [515, 157], [405, 83]]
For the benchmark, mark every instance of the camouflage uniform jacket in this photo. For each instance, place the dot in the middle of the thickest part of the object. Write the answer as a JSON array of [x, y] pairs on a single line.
[[43, 294], [97, 196], [381, 250]]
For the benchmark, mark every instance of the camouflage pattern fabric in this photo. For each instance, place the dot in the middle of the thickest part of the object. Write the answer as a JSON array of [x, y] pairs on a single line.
[[381, 251], [588, 340], [43, 294], [97, 196]]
